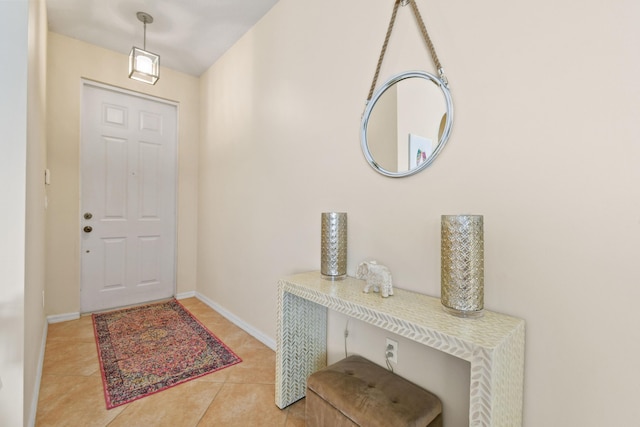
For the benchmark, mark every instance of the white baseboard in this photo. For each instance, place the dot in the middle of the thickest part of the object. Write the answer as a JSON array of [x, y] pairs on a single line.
[[185, 295], [57, 318], [259, 335], [36, 388]]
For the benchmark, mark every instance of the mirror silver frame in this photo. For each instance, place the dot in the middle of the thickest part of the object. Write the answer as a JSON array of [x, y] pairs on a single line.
[[376, 96]]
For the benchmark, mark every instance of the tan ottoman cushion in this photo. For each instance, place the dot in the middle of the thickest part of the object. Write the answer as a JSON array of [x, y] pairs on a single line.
[[357, 392]]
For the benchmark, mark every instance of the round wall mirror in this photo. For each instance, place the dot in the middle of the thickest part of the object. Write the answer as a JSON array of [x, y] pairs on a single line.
[[406, 124]]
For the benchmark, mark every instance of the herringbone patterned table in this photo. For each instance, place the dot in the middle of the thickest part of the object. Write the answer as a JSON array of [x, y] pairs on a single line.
[[493, 344]]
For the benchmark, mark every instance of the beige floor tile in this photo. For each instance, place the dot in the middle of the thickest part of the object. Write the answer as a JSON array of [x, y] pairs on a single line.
[[296, 414], [241, 405], [76, 330], [220, 376], [73, 401], [228, 333], [180, 406], [70, 357], [258, 365], [196, 306]]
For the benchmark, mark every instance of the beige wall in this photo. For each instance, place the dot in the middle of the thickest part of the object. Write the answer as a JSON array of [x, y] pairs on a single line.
[[544, 145], [35, 204], [69, 61]]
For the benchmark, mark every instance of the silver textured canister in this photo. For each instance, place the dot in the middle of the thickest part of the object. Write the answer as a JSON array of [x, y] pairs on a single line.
[[462, 265], [334, 245]]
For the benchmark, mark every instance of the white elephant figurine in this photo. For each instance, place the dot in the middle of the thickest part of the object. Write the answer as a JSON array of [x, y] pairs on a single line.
[[377, 276]]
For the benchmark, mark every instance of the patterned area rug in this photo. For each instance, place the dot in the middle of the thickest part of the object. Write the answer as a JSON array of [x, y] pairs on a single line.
[[146, 349]]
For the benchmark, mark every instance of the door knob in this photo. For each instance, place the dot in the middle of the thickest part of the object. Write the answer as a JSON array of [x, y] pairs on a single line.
[[88, 229], [88, 215]]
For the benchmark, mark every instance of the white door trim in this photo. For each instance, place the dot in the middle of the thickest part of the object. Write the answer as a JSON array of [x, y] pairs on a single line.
[[88, 82]]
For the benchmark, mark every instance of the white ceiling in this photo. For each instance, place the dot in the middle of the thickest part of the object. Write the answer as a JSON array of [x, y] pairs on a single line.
[[189, 35]]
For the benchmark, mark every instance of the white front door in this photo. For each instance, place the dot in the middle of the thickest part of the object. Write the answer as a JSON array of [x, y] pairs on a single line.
[[128, 198]]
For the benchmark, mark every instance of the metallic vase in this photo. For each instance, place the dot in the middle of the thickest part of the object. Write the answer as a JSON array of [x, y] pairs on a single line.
[[462, 265], [333, 263]]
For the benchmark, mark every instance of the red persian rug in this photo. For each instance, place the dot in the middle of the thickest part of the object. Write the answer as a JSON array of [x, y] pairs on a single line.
[[146, 349]]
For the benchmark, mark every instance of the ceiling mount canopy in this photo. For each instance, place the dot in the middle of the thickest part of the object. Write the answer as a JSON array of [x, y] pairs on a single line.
[[144, 66]]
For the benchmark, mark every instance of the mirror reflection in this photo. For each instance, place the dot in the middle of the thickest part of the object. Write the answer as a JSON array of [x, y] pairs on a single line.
[[406, 123]]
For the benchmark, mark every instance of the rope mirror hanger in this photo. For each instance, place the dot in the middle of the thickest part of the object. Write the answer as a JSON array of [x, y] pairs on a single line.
[[425, 35]]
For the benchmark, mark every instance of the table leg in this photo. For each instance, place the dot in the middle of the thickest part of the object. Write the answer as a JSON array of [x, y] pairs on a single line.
[[301, 347]]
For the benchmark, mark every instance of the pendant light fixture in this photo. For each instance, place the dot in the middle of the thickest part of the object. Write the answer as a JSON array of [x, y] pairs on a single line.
[[144, 65]]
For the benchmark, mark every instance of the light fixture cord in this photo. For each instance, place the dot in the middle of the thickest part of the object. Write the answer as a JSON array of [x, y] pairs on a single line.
[[425, 35], [144, 37]]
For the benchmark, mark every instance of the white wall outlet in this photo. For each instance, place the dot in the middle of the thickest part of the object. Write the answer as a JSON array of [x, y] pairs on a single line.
[[391, 350]]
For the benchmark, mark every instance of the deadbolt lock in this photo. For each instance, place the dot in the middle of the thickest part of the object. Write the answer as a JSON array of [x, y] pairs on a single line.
[[88, 215], [88, 229]]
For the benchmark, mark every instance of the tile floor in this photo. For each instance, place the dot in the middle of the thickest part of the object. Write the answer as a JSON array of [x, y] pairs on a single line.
[[241, 395]]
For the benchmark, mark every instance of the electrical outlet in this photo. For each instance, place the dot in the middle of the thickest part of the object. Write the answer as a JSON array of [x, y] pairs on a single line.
[[391, 350]]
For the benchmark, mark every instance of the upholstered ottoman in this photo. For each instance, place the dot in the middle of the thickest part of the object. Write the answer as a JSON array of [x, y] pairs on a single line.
[[357, 392]]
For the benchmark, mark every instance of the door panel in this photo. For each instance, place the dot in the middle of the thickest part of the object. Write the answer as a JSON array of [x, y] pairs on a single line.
[[128, 188], [114, 178]]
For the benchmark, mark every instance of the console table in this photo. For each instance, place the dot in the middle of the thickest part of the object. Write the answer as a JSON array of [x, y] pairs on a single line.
[[493, 344]]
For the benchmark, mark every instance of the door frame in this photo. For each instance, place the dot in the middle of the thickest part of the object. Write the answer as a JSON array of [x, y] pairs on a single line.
[[84, 82]]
